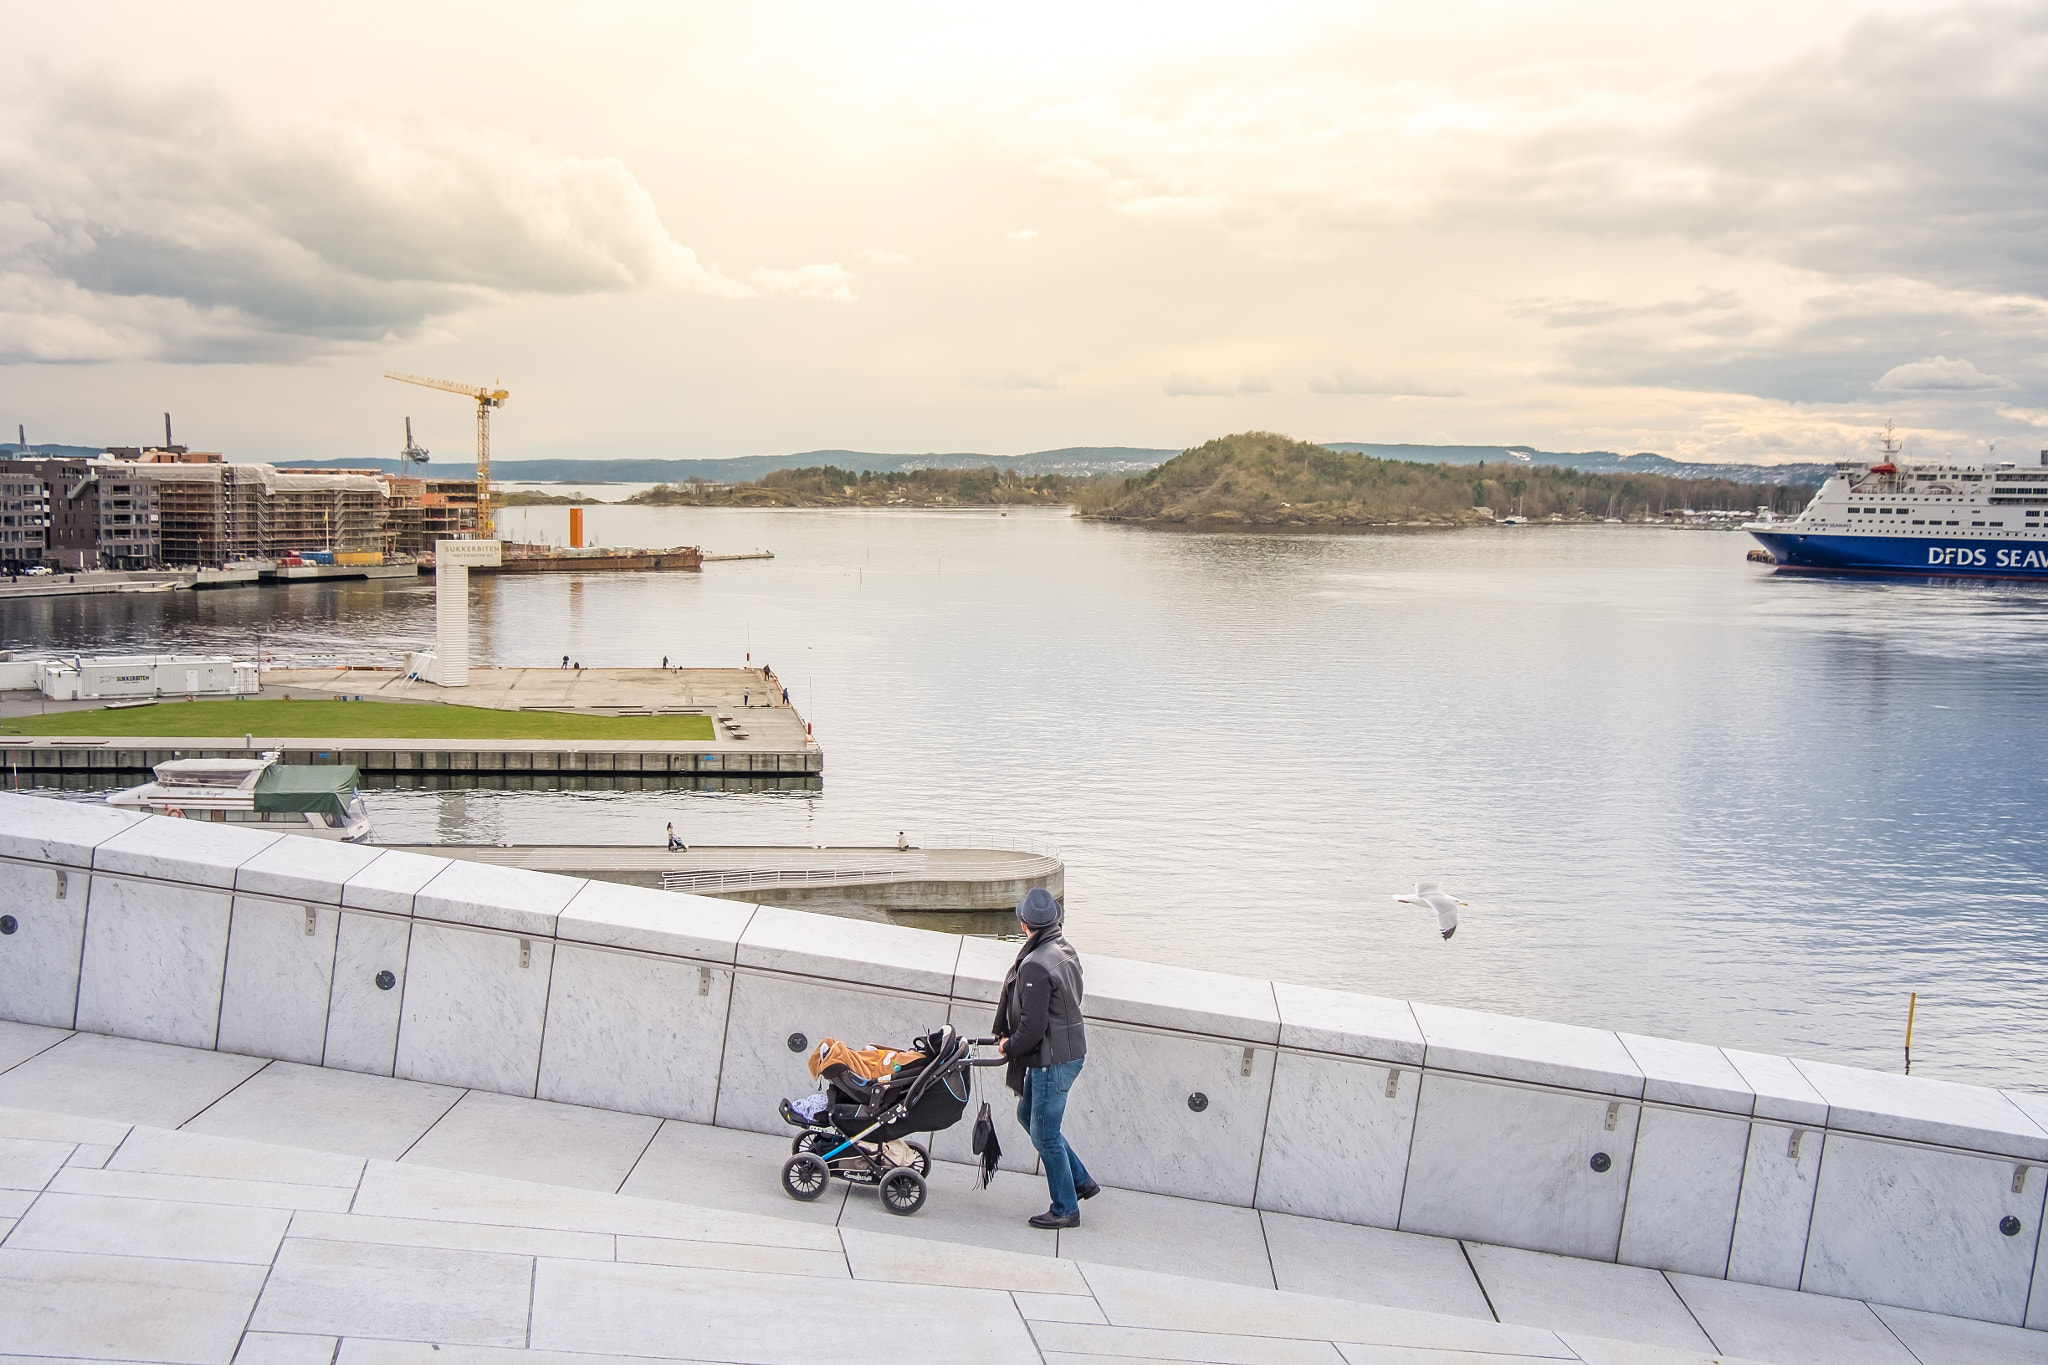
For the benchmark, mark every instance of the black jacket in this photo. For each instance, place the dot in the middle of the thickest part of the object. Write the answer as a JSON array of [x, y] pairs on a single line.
[[1040, 1008]]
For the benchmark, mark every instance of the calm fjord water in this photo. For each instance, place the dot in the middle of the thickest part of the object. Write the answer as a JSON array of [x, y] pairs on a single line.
[[1684, 796]]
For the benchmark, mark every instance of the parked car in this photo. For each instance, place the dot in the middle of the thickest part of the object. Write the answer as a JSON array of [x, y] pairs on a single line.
[[38, 569]]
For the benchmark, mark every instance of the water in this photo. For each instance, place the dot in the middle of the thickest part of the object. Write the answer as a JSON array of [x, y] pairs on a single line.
[[1685, 796]]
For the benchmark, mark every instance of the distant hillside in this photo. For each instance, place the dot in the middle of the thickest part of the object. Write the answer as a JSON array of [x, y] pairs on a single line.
[[1258, 478], [1078, 461], [830, 486], [1592, 461]]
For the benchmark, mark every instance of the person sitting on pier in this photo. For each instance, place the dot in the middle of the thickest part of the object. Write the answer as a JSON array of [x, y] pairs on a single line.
[[675, 845]]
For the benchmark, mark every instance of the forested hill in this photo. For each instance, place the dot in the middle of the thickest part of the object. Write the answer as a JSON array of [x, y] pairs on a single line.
[[1262, 479]]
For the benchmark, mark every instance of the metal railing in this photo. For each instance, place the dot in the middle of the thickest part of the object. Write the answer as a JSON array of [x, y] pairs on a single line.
[[1003, 841], [902, 867]]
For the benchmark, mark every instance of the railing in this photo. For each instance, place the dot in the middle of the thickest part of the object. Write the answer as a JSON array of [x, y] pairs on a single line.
[[1004, 841], [913, 866]]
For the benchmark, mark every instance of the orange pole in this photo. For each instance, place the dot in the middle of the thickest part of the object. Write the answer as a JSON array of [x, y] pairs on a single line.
[[575, 528]]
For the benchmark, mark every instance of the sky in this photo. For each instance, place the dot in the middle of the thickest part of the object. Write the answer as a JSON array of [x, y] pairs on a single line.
[[1731, 231]]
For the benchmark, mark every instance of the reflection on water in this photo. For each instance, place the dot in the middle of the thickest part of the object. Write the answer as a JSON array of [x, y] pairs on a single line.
[[1684, 795]]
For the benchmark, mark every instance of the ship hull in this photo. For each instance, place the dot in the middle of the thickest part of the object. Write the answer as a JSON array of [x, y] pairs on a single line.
[[1907, 556]]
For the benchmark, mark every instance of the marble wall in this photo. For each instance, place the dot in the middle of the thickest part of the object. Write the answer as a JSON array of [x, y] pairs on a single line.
[[1615, 1147]]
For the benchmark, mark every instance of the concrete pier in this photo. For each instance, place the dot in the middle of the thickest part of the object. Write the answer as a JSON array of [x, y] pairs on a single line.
[[942, 879]]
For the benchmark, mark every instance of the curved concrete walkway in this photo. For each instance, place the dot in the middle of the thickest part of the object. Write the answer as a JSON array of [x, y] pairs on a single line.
[[164, 1204]]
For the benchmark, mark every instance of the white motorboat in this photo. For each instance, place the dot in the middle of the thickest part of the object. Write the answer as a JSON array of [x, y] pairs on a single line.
[[321, 801]]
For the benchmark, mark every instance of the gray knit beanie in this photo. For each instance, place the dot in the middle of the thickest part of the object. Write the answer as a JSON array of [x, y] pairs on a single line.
[[1038, 908]]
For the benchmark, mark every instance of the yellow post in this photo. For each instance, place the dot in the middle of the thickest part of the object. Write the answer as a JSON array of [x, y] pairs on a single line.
[[1912, 1007]]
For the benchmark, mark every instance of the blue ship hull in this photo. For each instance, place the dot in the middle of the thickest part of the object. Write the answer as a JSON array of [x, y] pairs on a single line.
[[1912, 556]]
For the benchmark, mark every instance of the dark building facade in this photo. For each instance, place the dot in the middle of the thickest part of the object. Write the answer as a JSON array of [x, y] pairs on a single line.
[[76, 514]]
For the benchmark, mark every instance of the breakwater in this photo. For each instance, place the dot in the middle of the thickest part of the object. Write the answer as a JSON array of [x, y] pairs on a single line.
[[1577, 1141]]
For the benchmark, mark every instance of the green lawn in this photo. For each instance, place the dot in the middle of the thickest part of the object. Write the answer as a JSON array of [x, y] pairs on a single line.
[[332, 720]]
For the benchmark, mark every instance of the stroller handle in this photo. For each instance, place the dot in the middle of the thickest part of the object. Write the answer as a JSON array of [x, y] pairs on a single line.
[[989, 1061], [983, 1042]]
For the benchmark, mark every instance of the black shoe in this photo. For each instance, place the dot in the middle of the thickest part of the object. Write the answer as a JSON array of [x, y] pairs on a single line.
[[1049, 1220], [1088, 1191]]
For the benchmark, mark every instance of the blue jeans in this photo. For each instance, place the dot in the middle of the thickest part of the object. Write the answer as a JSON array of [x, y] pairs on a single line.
[[1043, 1105]]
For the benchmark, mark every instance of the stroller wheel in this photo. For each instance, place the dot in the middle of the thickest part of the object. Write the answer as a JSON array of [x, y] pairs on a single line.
[[903, 1191], [922, 1163], [813, 1141], [804, 1177]]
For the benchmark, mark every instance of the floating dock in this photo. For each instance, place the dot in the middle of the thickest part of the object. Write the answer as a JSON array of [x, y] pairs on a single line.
[[939, 879]]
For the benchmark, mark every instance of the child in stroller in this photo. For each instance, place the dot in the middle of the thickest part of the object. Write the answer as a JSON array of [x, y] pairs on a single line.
[[858, 1129]]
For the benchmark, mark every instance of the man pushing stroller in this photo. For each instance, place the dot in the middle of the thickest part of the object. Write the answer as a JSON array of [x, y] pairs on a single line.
[[1038, 1027]]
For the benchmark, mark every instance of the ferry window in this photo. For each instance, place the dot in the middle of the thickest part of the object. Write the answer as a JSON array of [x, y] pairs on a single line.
[[1955, 523], [1918, 522]]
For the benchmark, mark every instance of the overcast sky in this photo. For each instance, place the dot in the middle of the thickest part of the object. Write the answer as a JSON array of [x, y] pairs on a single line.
[[1741, 230]]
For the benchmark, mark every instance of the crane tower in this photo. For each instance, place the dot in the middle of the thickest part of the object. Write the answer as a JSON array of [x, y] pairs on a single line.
[[487, 397]]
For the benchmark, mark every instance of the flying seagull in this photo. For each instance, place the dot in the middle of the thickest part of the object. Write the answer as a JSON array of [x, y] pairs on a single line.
[[1433, 895]]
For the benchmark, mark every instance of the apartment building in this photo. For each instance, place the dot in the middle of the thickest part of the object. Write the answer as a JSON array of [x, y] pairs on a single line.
[[76, 515]]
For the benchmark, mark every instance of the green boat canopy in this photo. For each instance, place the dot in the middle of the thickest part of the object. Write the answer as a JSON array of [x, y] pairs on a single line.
[[324, 790]]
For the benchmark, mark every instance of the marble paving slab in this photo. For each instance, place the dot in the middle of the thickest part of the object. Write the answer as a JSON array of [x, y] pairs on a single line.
[[488, 896], [1177, 1236], [849, 950], [124, 1079], [1920, 1109], [314, 870], [522, 1139], [1938, 1340], [702, 928], [197, 852], [453, 1236], [1531, 1050], [957, 1210], [1099, 1342], [199, 1189], [159, 1228], [1373, 1265], [286, 1348], [38, 830], [1348, 1024], [426, 1294], [1689, 1074], [1159, 995], [390, 882], [327, 1110], [1568, 1295], [1775, 1324], [161, 1151], [28, 1164], [61, 1304], [723, 1168], [911, 1258], [645, 1310], [19, 1042]]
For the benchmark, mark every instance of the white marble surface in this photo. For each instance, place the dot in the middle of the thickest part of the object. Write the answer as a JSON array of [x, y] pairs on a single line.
[[19, 1042], [1532, 1050], [195, 851], [419, 1293], [850, 950], [984, 962], [1351, 1025], [492, 897], [1155, 995], [1904, 1225], [472, 1015], [119, 1079], [1622, 1303], [635, 1033], [1336, 1146], [154, 955], [523, 1139], [667, 922], [1153, 1232], [1690, 1074], [362, 1020], [327, 1110], [1373, 1265], [1776, 1208], [62, 1305], [274, 1003], [39, 960], [1511, 1165], [297, 867], [759, 1068], [1782, 1093], [1129, 1120], [1918, 1109], [1756, 1323], [150, 1227], [390, 883], [1683, 1189], [38, 830]]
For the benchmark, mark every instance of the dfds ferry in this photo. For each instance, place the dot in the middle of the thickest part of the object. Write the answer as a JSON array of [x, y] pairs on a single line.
[[1920, 520]]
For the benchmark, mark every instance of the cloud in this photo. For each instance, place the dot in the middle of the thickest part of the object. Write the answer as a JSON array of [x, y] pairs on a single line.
[[876, 256], [1939, 373], [1023, 234], [1570, 312], [179, 227], [1181, 384], [1391, 386]]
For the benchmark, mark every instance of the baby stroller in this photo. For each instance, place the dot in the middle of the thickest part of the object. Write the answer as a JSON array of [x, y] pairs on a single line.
[[862, 1134]]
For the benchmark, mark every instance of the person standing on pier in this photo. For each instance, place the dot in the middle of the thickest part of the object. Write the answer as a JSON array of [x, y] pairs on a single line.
[[1038, 1027]]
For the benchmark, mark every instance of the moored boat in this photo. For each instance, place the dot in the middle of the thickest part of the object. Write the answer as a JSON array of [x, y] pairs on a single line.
[[320, 801]]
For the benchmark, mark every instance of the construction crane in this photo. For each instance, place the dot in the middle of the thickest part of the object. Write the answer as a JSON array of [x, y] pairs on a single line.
[[414, 453], [487, 397]]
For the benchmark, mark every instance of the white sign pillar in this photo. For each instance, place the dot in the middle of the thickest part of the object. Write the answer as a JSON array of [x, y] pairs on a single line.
[[453, 559]]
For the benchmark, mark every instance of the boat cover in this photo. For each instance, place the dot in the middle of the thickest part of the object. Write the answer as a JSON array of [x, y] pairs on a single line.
[[324, 790]]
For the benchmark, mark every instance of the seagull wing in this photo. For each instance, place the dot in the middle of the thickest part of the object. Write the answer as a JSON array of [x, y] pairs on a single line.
[[1446, 908]]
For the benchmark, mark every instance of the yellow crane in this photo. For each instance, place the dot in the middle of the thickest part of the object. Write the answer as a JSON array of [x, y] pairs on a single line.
[[487, 397]]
